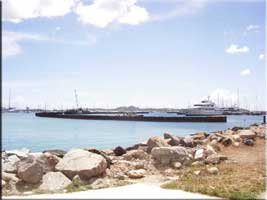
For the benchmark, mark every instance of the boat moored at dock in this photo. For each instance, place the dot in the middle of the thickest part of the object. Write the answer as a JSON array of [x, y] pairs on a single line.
[[133, 117], [204, 108]]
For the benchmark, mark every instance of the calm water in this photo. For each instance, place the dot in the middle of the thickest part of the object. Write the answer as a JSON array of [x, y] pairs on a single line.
[[25, 130]]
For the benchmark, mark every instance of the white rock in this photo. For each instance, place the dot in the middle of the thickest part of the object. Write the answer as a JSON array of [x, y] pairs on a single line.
[[3, 183], [9, 165], [236, 144], [138, 173], [246, 134], [199, 155], [54, 181], [177, 165], [22, 153], [197, 172], [83, 163], [236, 138], [9, 177], [213, 170], [167, 155], [156, 141]]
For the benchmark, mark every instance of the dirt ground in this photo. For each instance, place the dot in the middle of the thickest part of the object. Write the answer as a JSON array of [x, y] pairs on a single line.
[[249, 155], [242, 176]]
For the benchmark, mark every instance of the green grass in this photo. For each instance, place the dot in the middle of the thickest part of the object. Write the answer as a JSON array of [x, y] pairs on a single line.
[[233, 182], [242, 195], [76, 188]]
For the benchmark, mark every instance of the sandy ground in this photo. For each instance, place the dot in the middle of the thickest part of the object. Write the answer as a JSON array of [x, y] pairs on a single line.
[[134, 191]]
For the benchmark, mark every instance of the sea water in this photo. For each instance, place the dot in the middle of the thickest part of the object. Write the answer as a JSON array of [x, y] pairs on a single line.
[[25, 130]]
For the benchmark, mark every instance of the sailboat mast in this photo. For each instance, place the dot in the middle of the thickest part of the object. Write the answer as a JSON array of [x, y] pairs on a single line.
[[238, 98], [9, 99], [76, 99]]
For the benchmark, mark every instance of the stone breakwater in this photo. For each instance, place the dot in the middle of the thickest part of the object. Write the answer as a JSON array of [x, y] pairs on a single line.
[[49, 171]]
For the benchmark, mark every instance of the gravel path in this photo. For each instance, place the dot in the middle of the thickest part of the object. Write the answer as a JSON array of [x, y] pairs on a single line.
[[134, 191]]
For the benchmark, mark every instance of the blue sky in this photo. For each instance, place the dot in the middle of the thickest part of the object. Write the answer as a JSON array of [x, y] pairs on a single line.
[[147, 53]]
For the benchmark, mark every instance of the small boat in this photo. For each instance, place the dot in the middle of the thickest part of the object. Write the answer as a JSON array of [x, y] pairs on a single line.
[[204, 108]]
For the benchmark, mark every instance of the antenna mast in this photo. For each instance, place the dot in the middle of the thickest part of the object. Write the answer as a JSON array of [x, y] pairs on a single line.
[[76, 99]]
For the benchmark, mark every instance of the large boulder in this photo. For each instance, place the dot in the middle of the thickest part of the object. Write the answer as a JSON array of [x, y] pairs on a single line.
[[135, 154], [209, 150], [102, 153], [215, 145], [167, 155], [10, 164], [9, 177], [167, 135], [199, 136], [82, 163], [29, 170], [188, 142], [248, 134], [227, 141], [248, 141], [54, 181], [261, 131], [156, 142], [236, 138], [119, 151], [49, 161], [172, 140]]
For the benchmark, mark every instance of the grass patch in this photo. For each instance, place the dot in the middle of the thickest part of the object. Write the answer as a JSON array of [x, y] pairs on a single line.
[[242, 195], [78, 187], [234, 181]]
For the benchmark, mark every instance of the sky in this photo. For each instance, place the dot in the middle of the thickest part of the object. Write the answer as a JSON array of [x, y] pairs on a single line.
[[146, 53]]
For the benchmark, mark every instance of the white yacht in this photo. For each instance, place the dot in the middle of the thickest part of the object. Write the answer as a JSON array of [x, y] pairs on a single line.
[[206, 107]]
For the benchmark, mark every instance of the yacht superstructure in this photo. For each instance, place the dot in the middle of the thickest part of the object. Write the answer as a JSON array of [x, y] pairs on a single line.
[[204, 108]]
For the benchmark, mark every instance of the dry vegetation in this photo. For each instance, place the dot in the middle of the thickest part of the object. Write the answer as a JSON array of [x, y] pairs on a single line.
[[241, 177]]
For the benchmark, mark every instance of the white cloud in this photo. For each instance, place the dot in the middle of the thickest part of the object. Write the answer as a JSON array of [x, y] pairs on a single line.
[[58, 28], [233, 49], [99, 13], [105, 12], [224, 96], [245, 72], [11, 41], [261, 56], [18, 10], [253, 28], [183, 7]]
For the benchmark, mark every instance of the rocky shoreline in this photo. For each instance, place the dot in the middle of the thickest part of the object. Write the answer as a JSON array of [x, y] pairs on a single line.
[[57, 171]]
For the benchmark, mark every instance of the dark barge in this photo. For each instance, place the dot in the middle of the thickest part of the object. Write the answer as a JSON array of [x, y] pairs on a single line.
[[133, 117]]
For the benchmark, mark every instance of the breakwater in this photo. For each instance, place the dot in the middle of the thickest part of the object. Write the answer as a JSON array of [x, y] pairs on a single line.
[[199, 155], [133, 117]]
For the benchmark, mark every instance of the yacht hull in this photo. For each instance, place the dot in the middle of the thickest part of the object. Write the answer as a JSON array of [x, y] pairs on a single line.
[[197, 112]]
